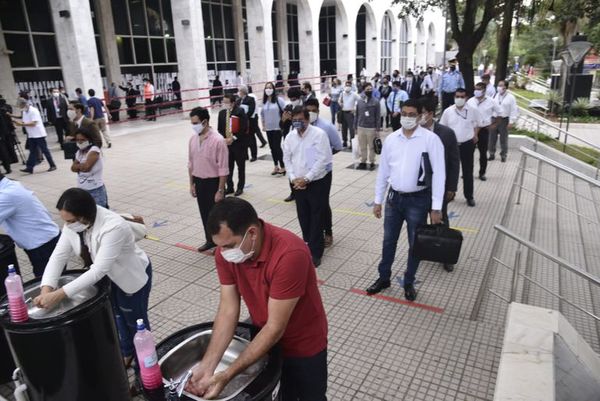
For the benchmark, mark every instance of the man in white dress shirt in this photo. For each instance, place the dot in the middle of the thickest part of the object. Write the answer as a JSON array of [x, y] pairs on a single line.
[[487, 108], [506, 117], [490, 91], [414, 191], [464, 120], [306, 154]]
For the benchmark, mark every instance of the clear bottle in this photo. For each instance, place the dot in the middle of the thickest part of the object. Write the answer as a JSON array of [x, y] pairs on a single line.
[[16, 301], [145, 349]]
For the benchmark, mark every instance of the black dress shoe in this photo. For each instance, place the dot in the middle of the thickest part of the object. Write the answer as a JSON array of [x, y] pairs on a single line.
[[253, 159], [229, 191], [290, 198], [503, 159], [52, 168], [483, 178], [238, 192], [316, 262], [448, 268], [24, 170], [345, 145], [362, 166], [378, 286], [409, 292], [372, 166], [492, 157], [471, 202], [206, 247]]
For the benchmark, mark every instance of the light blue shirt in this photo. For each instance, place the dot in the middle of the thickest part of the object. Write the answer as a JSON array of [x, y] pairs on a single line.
[[451, 81], [334, 139], [395, 100], [23, 217]]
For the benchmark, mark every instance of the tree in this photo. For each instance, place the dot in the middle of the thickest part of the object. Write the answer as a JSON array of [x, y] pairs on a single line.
[[468, 20], [503, 39]]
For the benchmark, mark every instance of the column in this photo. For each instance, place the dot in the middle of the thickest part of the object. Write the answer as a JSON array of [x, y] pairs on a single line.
[[76, 45], [191, 52], [108, 45], [8, 87], [260, 42], [308, 33], [282, 38], [345, 38], [238, 31]]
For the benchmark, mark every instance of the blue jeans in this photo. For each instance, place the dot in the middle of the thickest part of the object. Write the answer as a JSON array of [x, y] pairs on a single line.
[[127, 308], [100, 196], [34, 145], [334, 107], [413, 209]]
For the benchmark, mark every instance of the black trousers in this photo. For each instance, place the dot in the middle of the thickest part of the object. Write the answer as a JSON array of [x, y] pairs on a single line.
[[327, 215], [150, 110], [237, 156], [395, 121], [131, 110], [60, 125], [304, 379], [467, 150], [482, 146], [275, 140], [39, 256], [255, 132], [447, 100], [206, 188], [310, 206]]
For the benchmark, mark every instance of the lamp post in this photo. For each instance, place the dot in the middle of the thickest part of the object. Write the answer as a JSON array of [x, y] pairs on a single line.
[[485, 52], [573, 55], [554, 42]]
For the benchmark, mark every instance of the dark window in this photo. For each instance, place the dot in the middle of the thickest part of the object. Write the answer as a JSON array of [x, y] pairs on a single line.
[[22, 56], [217, 20], [125, 50], [167, 17], [219, 35], [142, 55], [220, 50], [171, 51], [138, 19], [158, 51], [119, 9], [99, 49], [230, 50], [154, 18], [94, 19], [210, 51], [45, 49], [40, 19], [12, 16], [206, 18]]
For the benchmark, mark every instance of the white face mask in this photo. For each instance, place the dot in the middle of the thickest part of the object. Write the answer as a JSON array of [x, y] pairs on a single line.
[[268, 91], [198, 128], [55, 94], [296, 102], [71, 115], [313, 116], [408, 122], [236, 255], [78, 226], [347, 89], [423, 121], [478, 93], [460, 102], [83, 145]]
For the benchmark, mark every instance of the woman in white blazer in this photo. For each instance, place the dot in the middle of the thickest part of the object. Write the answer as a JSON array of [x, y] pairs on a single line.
[[106, 243]]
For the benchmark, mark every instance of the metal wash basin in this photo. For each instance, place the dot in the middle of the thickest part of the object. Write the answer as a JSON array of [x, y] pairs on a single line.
[[181, 358], [64, 306]]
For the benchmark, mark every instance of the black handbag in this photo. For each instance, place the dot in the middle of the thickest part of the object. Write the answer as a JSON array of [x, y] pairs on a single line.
[[437, 243], [70, 149], [377, 146]]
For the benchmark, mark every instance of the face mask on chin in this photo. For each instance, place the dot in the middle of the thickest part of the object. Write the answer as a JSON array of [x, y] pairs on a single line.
[[236, 255]]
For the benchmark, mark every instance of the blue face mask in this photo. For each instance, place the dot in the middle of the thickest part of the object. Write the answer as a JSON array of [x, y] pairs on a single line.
[[298, 125]]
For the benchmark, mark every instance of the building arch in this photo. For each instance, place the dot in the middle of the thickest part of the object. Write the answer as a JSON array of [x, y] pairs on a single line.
[[431, 56]]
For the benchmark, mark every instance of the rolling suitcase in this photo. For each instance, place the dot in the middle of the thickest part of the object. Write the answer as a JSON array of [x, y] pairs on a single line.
[[437, 243]]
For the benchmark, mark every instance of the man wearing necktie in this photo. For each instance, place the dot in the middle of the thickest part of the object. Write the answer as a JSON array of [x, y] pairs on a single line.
[[56, 108], [394, 104], [233, 125]]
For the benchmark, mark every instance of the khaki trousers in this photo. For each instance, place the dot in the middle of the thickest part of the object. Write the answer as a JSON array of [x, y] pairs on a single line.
[[366, 136]]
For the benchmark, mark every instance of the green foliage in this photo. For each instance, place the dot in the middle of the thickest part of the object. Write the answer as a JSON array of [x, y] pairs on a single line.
[[582, 153], [580, 107], [554, 101]]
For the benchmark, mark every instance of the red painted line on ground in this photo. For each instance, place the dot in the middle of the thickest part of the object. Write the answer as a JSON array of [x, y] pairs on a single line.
[[320, 282], [430, 308], [186, 247]]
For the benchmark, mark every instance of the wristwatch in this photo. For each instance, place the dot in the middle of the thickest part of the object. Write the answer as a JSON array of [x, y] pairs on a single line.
[[306, 180], [221, 190]]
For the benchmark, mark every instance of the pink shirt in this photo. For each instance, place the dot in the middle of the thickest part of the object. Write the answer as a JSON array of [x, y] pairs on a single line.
[[210, 158]]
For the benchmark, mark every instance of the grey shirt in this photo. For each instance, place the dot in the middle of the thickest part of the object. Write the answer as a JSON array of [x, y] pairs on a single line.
[[270, 113], [367, 113]]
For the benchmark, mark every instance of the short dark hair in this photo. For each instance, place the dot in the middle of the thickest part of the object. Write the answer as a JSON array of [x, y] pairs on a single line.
[[480, 85], [485, 76], [236, 213], [300, 110], [78, 91], [79, 203], [307, 84], [230, 97], [504, 81], [367, 84], [295, 93], [428, 104], [461, 90], [397, 83], [413, 103], [201, 113], [79, 107], [94, 139], [91, 92], [312, 102]]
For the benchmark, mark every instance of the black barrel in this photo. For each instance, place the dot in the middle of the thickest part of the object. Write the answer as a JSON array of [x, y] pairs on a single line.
[[73, 356], [8, 256], [265, 387]]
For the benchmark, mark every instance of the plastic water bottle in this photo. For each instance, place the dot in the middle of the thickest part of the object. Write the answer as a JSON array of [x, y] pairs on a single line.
[[16, 302], [147, 358]]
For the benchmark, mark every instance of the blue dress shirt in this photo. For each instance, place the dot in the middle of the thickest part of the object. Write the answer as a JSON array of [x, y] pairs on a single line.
[[334, 139], [451, 81], [395, 100]]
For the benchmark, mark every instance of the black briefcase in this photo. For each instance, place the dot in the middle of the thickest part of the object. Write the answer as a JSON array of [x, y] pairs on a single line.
[[437, 243], [70, 148]]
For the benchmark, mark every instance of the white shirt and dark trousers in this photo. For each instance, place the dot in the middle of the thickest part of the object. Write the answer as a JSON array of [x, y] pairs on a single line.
[[464, 123], [36, 139], [308, 156], [507, 114], [487, 108], [411, 196], [111, 251]]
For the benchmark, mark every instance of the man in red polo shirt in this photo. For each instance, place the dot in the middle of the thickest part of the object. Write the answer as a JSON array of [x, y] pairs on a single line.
[[272, 270]]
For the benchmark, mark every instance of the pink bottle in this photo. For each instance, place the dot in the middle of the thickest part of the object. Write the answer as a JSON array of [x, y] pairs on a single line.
[[16, 301], [147, 358]]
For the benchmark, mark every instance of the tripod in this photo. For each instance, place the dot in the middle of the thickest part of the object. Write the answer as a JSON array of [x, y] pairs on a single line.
[[18, 148]]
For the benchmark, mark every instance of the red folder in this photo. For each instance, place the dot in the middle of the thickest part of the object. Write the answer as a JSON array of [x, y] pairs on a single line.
[[234, 123]]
